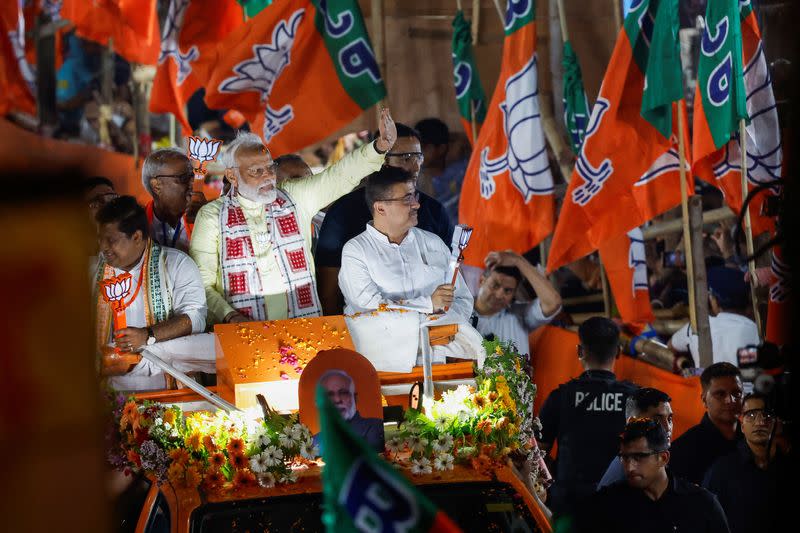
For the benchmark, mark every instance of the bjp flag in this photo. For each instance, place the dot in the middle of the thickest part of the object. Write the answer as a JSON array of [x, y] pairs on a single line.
[[628, 168], [779, 311], [733, 82], [624, 260], [507, 195], [132, 25], [17, 76], [470, 97], [191, 30], [299, 70]]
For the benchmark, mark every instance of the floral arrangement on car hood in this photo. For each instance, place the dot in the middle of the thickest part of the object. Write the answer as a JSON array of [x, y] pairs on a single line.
[[473, 425], [213, 451]]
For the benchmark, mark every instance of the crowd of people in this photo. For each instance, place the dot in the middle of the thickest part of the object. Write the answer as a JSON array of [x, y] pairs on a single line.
[[258, 252]]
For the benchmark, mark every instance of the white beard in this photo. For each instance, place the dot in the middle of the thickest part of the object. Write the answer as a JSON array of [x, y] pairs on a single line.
[[351, 411], [256, 194]]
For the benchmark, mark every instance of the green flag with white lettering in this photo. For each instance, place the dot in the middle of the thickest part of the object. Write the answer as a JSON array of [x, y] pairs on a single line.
[[469, 91], [576, 105]]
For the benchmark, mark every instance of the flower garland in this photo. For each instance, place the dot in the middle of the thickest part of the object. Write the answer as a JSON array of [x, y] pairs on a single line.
[[475, 426], [213, 451]]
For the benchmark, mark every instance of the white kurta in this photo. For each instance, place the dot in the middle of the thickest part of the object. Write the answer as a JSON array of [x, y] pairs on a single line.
[[375, 271]]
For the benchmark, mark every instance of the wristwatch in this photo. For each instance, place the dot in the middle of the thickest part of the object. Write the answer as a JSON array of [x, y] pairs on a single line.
[[151, 337], [375, 145]]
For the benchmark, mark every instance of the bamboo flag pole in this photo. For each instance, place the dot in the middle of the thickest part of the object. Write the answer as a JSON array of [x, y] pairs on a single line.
[[499, 12], [476, 20], [376, 13], [562, 20], [748, 229], [687, 242], [617, 13], [474, 122]]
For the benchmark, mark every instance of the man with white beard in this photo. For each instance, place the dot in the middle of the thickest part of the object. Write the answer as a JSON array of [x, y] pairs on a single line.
[[253, 245]]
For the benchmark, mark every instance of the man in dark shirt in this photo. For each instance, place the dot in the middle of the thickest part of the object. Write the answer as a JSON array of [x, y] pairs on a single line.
[[650, 499], [644, 403], [585, 416], [717, 434], [752, 483], [348, 216]]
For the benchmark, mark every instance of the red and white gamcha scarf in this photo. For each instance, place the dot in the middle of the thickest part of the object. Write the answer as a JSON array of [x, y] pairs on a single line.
[[240, 277]]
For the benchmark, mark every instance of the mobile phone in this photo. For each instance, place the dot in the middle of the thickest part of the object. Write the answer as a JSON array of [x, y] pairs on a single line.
[[747, 355], [672, 259]]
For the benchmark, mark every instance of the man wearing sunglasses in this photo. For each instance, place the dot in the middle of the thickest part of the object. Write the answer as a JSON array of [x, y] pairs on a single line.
[[168, 177], [650, 498], [753, 481]]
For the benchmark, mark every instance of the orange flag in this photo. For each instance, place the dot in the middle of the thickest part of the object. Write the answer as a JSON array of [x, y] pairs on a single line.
[[17, 77], [299, 71], [731, 28], [192, 29], [779, 311], [131, 24], [624, 260], [507, 194], [627, 171]]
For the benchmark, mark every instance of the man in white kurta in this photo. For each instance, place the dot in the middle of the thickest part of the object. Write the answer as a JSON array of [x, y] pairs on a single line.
[[165, 306], [255, 260]]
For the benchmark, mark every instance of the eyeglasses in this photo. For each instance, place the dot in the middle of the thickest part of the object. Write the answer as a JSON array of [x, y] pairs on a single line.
[[184, 178], [409, 199], [407, 157], [637, 457], [752, 415], [102, 199], [257, 172]]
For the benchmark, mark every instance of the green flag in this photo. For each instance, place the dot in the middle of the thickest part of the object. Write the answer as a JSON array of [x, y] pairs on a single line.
[[253, 7], [363, 492], [469, 91], [576, 105], [663, 83]]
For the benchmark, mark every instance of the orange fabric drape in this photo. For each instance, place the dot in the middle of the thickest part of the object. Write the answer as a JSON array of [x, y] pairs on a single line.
[[555, 361]]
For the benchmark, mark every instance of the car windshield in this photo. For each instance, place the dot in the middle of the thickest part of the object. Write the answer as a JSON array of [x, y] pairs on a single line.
[[484, 506]]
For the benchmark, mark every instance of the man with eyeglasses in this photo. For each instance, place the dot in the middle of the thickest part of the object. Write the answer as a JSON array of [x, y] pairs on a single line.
[[718, 433], [168, 177], [97, 192], [253, 244], [646, 402], [651, 498], [348, 216], [753, 482]]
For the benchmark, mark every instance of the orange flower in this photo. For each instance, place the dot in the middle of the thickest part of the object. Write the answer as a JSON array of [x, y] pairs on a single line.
[[130, 415], [179, 456], [208, 442], [481, 463], [479, 401], [235, 447], [134, 458], [213, 479], [193, 442], [238, 461], [217, 460], [502, 422], [193, 476], [485, 426], [492, 396], [244, 478], [175, 474], [169, 416]]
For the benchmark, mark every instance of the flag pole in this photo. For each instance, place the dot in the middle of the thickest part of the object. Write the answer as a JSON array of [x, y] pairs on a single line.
[[687, 242], [376, 13], [617, 13], [748, 228], [499, 12], [562, 20], [473, 122], [476, 20]]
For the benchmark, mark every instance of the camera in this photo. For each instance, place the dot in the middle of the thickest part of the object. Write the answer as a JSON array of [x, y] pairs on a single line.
[[763, 371]]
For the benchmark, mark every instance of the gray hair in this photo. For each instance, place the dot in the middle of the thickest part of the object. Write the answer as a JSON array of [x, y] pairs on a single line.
[[340, 373], [244, 139], [157, 159]]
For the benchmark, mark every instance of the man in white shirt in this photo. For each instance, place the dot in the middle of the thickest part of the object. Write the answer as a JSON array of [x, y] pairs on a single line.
[[167, 175], [498, 314], [730, 329], [165, 308], [394, 263]]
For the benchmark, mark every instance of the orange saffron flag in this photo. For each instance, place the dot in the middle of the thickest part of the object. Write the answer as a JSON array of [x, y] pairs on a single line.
[[192, 29], [628, 171], [132, 25], [624, 260], [733, 82], [507, 195], [298, 71], [17, 76], [779, 311]]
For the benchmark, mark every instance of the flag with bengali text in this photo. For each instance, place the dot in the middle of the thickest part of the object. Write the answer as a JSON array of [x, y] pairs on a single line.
[[361, 491], [733, 82], [469, 92], [628, 169], [298, 71], [507, 195]]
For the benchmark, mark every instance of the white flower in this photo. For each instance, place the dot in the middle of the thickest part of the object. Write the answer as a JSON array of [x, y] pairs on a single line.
[[443, 443], [443, 461], [394, 445], [420, 466], [286, 441], [272, 455], [264, 440], [158, 421], [441, 422], [416, 443], [289, 477], [266, 480], [297, 432], [259, 463], [309, 451]]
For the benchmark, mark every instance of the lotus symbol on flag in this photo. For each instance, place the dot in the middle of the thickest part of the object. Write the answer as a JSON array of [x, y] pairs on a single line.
[[637, 261], [593, 177], [526, 156], [115, 290], [169, 40]]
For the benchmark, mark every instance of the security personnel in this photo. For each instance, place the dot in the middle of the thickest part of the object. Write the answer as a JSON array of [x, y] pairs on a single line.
[[585, 416]]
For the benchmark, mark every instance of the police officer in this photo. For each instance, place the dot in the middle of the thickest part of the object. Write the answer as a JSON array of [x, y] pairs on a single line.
[[585, 416]]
